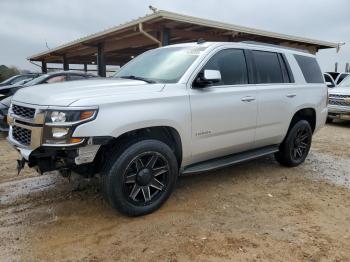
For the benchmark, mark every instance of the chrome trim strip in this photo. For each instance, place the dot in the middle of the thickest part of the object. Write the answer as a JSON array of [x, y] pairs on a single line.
[[64, 145]]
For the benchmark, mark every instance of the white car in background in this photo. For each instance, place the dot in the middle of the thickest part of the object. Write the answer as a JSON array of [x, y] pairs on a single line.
[[339, 101], [336, 77]]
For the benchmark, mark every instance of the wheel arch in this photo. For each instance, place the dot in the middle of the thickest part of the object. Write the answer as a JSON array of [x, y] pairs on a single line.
[[167, 134], [306, 113]]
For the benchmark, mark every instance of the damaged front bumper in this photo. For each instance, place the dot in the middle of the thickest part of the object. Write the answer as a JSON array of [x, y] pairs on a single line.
[[45, 159], [26, 135]]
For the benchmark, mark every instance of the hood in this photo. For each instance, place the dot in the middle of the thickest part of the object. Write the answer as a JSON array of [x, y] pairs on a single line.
[[340, 91], [64, 94]]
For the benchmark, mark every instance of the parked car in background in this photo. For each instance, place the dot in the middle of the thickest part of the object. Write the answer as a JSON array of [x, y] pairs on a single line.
[[214, 105], [17, 78], [55, 77], [48, 78], [339, 101], [338, 77], [4, 107], [329, 80]]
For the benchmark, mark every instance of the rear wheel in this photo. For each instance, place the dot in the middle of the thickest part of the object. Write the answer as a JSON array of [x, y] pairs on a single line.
[[141, 178], [296, 146]]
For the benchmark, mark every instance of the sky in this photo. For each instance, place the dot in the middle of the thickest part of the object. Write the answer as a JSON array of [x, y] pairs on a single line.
[[28, 27]]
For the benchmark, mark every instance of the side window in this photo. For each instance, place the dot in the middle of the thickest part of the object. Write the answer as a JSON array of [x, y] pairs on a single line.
[[268, 68], [310, 68], [232, 65], [56, 79], [76, 77]]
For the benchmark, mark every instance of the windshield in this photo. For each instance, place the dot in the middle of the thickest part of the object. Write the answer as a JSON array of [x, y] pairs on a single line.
[[10, 80], [36, 81], [164, 65], [345, 82]]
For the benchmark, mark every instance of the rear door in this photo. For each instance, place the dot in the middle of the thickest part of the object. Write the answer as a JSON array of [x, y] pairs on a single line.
[[276, 91], [224, 115]]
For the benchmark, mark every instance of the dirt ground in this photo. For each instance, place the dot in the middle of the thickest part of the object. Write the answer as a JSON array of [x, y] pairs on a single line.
[[255, 211]]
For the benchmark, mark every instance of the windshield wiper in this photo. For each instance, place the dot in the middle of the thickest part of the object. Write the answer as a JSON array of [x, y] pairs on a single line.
[[149, 81]]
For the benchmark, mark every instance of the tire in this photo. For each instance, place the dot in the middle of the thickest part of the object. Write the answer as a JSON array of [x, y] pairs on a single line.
[[329, 120], [296, 146], [139, 179]]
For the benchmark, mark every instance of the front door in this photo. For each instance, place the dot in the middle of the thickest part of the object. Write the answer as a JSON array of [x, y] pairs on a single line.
[[224, 115]]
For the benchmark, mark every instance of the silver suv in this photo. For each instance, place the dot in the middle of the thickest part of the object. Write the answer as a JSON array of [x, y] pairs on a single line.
[[175, 110]]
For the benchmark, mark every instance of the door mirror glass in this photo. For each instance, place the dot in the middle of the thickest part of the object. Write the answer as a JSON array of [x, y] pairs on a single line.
[[207, 78], [213, 76]]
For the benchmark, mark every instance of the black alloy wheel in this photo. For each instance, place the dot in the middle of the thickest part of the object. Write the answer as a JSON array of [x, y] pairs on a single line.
[[302, 141], [140, 176], [296, 146], [146, 177]]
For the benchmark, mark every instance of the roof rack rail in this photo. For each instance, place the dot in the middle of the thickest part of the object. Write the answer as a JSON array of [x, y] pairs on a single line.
[[273, 45]]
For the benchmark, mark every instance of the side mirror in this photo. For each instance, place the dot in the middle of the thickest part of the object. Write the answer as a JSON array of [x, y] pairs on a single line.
[[207, 78], [330, 84]]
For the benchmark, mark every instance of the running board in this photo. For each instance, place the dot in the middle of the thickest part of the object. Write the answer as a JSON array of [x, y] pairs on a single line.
[[229, 160]]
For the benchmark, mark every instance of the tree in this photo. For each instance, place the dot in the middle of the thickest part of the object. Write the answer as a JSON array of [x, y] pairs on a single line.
[[7, 72]]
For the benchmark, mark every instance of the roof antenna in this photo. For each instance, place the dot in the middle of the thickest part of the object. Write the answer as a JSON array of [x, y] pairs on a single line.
[[153, 9]]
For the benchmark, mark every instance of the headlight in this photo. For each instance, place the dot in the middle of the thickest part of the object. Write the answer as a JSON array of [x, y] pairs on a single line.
[[59, 117], [69, 116], [60, 125]]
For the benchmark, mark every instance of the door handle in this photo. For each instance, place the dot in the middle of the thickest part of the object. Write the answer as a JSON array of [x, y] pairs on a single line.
[[291, 95], [247, 99]]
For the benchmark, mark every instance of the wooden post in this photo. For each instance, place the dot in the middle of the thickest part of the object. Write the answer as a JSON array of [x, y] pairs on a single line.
[[43, 67], [85, 67], [336, 67], [65, 63], [165, 36], [347, 67], [101, 66]]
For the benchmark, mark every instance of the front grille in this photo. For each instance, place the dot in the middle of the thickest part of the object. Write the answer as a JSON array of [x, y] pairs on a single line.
[[339, 102], [22, 135], [339, 96], [25, 112]]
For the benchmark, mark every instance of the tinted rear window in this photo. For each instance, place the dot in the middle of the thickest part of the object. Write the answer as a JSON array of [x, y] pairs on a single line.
[[268, 67], [310, 68]]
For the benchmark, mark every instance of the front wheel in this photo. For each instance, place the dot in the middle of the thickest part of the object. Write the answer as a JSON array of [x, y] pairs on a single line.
[[329, 120], [296, 146], [141, 178]]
